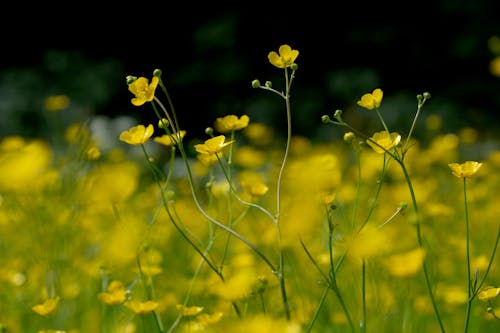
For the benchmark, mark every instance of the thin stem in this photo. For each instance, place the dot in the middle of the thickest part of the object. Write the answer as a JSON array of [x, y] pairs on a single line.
[[420, 243], [467, 242], [363, 290], [318, 309]]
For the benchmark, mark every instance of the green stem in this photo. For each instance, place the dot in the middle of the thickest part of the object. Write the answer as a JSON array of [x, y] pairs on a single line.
[[467, 242], [363, 290], [318, 309], [420, 243]]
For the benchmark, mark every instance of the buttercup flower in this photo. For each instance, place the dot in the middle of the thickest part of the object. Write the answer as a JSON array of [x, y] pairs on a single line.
[[466, 169], [487, 294], [137, 135], [56, 102], [213, 145], [231, 123], [371, 101], [143, 90], [46, 307], [170, 139], [142, 307], [285, 58], [189, 311], [114, 294], [383, 140]]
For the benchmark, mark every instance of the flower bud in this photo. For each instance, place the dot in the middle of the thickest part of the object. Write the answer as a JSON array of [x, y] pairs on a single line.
[[427, 95], [338, 115], [163, 123], [130, 79], [157, 72], [294, 67], [255, 83], [269, 84], [209, 131], [349, 137], [325, 119]]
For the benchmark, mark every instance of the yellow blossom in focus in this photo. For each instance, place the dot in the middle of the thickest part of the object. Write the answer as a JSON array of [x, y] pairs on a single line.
[[46, 307], [56, 103], [466, 169], [405, 264], [143, 90], [188, 311], [142, 307], [213, 145], [371, 101], [486, 294], [137, 135], [383, 140], [285, 58], [231, 123], [114, 294], [170, 139]]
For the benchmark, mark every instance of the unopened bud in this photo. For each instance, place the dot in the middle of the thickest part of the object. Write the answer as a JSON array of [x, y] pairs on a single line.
[[269, 84], [209, 131], [349, 137], [325, 119], [255, 83], [130, 79], [338, 115], [427, 95], [157, 72], [163, 123], [294, 67]]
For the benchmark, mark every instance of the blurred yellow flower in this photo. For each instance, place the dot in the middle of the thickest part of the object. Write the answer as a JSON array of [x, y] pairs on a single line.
[[188, 311], [405, 264], [93, 153], [285, 58], [143, 90], [488, 293], [114, 294], [142, 307], [495, 66], [170, 139], [137, 135], [371, 101], [466, 169], [384, 141], [253, 184], [213, 145], [231, 123], [56, 103], [46, 307]]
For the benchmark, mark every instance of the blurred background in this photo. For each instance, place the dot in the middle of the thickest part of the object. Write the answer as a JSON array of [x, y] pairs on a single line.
[[210, 53]]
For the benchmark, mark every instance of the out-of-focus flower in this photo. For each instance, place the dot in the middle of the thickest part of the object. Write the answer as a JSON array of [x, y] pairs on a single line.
[[405, 264], [93, 153], [143, 90], [137, 135], [189, 311], [142, 307], [466, 169], [47, 307], [384, 141], [495, 66], [285, 58], [231, 123], [56, 103], [114, 294], [371, 101]]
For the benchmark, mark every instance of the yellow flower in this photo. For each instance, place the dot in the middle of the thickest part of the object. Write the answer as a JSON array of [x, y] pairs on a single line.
[[466, 169], [487, 294], [231, 123], [285, 58], [114, 294], [384, 141], [371, 101], [46, 307], [137, 135], [143, 90], [405, 264], [56, 102], [495, 66], [189, 311], [170, 139], [93, 153], [142, 307], [253, 184], [213, 145]]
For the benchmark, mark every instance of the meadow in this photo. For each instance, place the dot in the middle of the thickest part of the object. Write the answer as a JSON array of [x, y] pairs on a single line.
[[240, 229]]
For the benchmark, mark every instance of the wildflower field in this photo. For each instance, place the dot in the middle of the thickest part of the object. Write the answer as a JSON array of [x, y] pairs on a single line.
[[240, 229]]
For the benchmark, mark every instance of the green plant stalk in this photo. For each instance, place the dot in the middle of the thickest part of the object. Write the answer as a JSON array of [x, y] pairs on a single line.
[[420, 243], [467, 247], [363, 289], [229, 200]]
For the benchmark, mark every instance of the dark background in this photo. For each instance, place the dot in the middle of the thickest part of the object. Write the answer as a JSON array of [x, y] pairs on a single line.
[[209, 55]]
